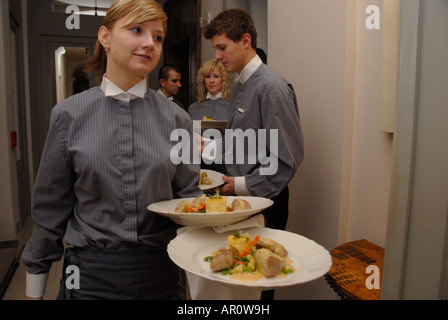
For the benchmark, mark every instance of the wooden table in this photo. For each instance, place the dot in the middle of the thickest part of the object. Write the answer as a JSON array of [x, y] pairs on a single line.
[[348, 276]]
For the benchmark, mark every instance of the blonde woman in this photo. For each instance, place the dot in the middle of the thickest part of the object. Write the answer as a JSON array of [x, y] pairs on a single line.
[[107, 157], [214, 84]]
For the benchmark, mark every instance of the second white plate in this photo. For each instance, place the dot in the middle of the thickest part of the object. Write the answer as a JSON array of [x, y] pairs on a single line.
[[310, 259], [167, 209], [215, 177]]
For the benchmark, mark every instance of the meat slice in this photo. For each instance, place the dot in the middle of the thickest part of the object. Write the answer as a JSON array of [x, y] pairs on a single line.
[[268, 262], [223, 260], [273, 246], [240, 205]]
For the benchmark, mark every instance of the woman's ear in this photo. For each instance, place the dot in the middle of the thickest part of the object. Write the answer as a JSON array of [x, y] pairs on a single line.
[[103, 37]]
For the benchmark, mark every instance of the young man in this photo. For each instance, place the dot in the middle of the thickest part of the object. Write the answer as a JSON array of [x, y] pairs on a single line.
[[169, 79], [260, 100]]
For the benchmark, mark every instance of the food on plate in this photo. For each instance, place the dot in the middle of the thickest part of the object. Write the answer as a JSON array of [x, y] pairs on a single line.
[[205, 118], [201, 199], [204, 179], [183, 206], [216, 204], [222, 260], [251, 256], [269, 263], [212, 204], [273, 246], [239, 241], [197, 205], [240, 205]]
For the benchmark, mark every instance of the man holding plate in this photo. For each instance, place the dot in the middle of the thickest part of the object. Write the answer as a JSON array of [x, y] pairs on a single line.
[[261, 100]]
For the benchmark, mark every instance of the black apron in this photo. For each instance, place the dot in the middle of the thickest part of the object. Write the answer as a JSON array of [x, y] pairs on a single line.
[[137, 274]]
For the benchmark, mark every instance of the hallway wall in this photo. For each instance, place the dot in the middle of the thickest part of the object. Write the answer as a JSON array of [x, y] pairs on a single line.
[[9, 214], [341, 190]]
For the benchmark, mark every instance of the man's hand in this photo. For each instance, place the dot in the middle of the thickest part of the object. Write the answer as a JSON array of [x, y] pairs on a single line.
[[229, 187]]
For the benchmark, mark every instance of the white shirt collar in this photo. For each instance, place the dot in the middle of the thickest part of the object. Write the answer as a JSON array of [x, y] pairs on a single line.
[[161, 92], [249, 69], [113, 91], [214, 97]]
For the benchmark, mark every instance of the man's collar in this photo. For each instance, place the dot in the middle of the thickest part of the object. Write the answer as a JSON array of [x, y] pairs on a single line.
[[249, 69], [161, 92], [113, 91]]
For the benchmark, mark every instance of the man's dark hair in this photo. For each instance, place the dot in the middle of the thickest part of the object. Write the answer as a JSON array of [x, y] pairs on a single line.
[[262, 55], [165, 70], [234, 23]]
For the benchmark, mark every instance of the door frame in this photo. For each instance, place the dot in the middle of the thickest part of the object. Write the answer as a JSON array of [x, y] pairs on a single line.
[[20, 112], [416, 258]]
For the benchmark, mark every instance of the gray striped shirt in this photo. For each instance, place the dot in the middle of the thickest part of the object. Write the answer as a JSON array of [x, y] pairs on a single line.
[[103, 163], [216, 109], [266, 101]]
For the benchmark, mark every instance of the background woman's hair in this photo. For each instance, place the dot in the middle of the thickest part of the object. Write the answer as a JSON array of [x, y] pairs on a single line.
[[137, 11], [206, 69]]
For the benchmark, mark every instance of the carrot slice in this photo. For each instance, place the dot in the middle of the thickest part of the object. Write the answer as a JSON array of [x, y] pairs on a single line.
[[239, 261], [248, 249]]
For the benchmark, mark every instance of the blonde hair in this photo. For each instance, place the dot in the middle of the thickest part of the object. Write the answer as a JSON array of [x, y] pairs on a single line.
[[205, 70], [137, 11]]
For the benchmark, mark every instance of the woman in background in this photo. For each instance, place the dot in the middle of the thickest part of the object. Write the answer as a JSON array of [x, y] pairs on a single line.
[[214, 84], [106, 158]]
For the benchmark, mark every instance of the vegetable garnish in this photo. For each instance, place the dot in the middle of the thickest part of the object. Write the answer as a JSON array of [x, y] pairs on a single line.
[[248, 249], [217, 195], [237, 234]]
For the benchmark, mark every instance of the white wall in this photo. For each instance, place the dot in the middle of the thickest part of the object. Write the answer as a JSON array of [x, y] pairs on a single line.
[[309, 49], [366, 211], [60, 58], [341, 190]]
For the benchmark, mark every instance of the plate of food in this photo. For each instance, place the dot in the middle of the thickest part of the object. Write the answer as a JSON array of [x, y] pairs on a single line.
[[260, 258], [210, 211], [210, 179]]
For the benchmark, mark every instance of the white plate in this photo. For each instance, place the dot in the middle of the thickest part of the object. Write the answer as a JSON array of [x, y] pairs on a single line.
[[310, 259], [215, 177], [167, 209]]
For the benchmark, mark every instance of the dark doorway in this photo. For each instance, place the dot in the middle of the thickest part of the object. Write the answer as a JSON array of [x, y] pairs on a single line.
[[178, 55], [183, 43]]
